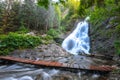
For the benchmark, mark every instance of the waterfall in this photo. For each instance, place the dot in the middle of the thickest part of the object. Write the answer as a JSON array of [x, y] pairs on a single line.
[[78, 41]]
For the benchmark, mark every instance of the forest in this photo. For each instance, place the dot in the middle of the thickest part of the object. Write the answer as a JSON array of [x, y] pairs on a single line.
[[26, 24]]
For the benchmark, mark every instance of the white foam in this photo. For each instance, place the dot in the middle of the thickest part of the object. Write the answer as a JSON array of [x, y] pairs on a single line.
[[78, 41]]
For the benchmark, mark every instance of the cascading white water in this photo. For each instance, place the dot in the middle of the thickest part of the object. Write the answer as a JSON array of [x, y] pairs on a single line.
[[78, 41]]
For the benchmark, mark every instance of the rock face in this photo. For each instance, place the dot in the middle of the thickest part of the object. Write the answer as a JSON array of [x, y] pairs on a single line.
[[101, 45], [102, 39]]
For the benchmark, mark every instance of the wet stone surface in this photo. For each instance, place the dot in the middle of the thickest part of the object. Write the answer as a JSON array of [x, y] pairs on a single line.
[[53, 52]]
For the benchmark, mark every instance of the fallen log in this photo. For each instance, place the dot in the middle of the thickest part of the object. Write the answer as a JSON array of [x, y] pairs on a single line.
[[55, 64]]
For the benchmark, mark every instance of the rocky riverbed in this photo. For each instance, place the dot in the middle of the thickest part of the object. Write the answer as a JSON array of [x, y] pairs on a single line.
[[54, 52]]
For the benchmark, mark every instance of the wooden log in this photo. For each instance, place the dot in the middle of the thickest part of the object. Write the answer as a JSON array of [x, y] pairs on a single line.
[[54, 64]]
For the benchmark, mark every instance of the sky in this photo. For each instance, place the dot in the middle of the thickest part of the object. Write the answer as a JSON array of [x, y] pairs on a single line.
[[55, 0]]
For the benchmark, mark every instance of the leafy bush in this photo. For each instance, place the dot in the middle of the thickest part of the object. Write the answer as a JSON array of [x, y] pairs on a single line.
[[46, 39], [23, 29], [52, 32], [56, 32], [2, 36], [17, 41], [62, 29]]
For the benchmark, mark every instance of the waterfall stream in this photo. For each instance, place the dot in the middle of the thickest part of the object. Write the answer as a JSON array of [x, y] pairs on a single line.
[[78, 41]]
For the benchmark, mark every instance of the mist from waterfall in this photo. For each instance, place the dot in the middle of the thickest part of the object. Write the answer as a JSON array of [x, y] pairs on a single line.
[[78, 41]]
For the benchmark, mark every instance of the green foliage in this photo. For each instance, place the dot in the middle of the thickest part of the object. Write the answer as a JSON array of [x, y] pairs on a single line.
[[62, 29], [52, 32], [44, 3], [81, 11], [72, 6], [2, 36], [55, 33], [46, 39], [117, 47], [98, 16], [1, 31], [23, 29], [17, 41], [102, 16], [117, 30], [10, 17], [115, 11], [29, 15], [57, 15]]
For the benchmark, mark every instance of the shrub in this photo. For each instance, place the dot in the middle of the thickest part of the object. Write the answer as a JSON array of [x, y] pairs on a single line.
[[17, 41], [2, 36], [53, 32], [46, 39], [62, 29], [56, 32], [23, 29]]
